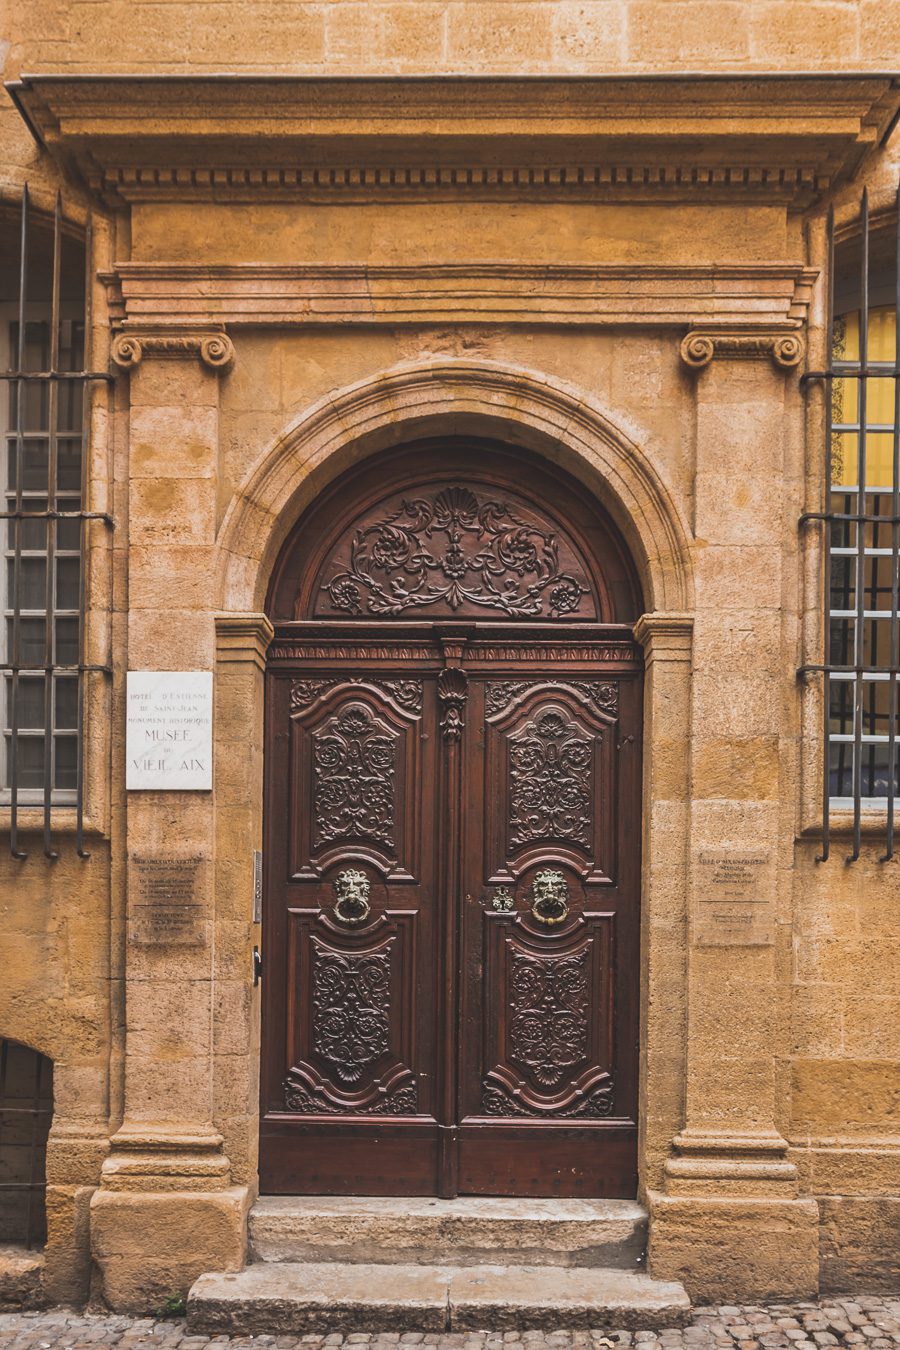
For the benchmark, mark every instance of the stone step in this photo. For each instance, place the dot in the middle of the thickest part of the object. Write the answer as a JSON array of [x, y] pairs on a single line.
[[471, 1230], [297, 1297]]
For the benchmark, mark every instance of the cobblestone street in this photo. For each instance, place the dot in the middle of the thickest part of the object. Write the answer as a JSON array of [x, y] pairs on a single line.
[[865, 1321]]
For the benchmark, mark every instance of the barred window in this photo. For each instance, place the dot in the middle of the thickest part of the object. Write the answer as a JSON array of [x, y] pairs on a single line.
[[42, 524], [862, 521]]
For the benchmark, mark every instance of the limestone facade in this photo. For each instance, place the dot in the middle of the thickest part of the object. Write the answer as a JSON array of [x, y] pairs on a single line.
[[623, 272]]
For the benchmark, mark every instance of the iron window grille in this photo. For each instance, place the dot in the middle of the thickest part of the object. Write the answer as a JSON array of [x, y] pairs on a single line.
[[26, 1110], [862, 531], [44, 524]]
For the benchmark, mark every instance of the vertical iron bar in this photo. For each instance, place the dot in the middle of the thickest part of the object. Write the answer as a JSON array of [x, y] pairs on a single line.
[[4, 1055], [86, 401], [17, 544], [35, 1122], [895, 561], [50, 538], [862, 418], [826, 661]]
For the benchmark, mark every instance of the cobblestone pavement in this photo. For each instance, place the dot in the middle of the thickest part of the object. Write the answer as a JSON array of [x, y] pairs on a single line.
[[873, 1323]]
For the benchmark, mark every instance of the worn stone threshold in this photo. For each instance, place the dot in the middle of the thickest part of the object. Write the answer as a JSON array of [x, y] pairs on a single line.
[[314, 1297], [470, 1230]]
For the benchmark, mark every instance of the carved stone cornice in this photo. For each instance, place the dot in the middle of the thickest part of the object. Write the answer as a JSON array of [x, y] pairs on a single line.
[[167, 295], [665, 635], [243, 638], [605, 137], [698, 348], [215, 349]]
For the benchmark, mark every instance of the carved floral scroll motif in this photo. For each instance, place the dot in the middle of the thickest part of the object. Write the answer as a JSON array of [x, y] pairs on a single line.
[[603, 694], [351, 1009], [299, 1098], [452, 550], [550, 780], [354, 756]]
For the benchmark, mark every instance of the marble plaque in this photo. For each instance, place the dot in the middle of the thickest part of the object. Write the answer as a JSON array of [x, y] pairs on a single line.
[[734, 892], [166, 901], [168, 742]]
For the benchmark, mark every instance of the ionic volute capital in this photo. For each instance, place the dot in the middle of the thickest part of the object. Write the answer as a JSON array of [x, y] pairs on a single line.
[[213, 347]]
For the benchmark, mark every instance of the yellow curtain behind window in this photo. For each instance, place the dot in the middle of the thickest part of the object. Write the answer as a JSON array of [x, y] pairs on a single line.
[[879, 401]]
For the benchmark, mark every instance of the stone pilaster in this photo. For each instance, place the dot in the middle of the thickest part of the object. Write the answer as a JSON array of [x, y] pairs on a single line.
[[727, 1217], [666, 639], [241, 643], [167, 1208]]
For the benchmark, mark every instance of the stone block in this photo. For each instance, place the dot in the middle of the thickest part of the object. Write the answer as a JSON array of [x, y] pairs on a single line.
[[817, 1021], [860, 1243], [660, 33], [843, 1095], [872, 1027], [729, 1249], [588, 34], [413, 36], [171, 511], [516, 34], [67, 1255], [21, 1279], [148, 1246], [804, 36]]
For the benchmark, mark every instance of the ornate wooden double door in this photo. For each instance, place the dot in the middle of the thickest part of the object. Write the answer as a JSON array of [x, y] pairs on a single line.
[[452, 847]]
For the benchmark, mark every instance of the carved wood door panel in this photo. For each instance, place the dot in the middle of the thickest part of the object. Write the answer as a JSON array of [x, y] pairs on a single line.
[[452, 847], [451, 943], [350, 938], [548, 1055]]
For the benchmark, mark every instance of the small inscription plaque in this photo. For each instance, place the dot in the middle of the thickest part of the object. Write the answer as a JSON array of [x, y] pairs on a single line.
[[168, 742], [735, 898], [167, 907]]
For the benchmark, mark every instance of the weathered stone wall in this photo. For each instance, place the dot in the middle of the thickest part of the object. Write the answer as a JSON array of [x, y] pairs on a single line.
[[413, 36]]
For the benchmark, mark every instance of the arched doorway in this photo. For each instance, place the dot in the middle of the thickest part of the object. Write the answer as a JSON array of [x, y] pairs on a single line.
[[451, 930]]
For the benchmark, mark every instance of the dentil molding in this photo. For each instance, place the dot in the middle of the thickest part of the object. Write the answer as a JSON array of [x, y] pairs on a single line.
[[247, 137]]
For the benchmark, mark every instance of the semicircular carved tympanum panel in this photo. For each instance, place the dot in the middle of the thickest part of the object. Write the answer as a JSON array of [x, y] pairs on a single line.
[[454, 551]]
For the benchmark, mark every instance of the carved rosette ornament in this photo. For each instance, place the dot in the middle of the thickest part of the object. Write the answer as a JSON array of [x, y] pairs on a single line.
[[215, 350], [698, 348], [353, 791]]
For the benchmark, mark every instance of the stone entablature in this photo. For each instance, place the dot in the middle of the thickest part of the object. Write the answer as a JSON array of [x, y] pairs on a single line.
[[172, 294], [245, 137]]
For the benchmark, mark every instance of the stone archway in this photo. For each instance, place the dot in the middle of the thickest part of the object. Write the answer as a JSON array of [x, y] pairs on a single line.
[[564, 425], [410, 401]]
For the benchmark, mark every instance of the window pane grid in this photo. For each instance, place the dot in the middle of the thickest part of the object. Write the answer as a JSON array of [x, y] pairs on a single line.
[[862, 545], [42, 528]]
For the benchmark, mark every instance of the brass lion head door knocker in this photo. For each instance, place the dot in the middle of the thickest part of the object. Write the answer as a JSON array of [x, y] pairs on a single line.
[[352, 889], [550, 897]]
